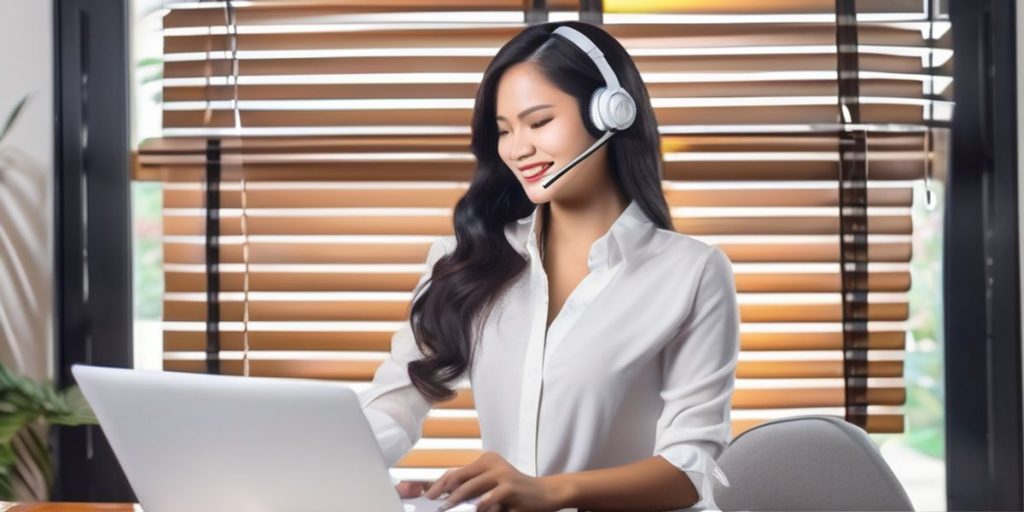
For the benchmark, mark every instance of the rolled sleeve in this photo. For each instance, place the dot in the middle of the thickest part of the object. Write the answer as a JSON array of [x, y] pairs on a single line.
[[394, 407], [699, 369], [393, 440]]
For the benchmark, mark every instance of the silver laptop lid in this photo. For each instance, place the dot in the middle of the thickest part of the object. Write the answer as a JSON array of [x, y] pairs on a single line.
[[215, 443]]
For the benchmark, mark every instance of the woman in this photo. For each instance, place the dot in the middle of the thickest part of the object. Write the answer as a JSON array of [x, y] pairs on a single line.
[[600, 345]]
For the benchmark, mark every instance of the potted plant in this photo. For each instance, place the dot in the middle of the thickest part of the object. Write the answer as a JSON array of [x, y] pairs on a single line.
[[27, 410]]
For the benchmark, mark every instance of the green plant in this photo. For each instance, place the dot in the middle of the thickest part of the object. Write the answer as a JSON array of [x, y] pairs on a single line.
[[12, 117], [27, 409], [924, 364], [151, 71]]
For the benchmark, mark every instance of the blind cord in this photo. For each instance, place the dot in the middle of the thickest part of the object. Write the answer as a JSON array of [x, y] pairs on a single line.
[[232, 31], [929, 196]]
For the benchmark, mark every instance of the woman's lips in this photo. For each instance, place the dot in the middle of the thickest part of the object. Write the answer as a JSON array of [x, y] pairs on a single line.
[[540, 174]]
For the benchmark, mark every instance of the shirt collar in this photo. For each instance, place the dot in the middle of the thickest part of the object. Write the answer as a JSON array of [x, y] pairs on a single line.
[[617, 244]]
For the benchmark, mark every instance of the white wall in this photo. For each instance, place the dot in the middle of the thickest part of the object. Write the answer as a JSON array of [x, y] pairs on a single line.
[[26, 184]]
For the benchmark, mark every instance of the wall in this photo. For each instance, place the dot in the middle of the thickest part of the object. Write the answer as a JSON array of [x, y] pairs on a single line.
[[26, 187]]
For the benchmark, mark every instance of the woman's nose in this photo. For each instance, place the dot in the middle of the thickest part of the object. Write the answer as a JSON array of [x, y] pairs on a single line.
[[521, 147]]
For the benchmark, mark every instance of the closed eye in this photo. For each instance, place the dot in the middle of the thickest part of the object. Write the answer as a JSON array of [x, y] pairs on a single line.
[[536, 125]]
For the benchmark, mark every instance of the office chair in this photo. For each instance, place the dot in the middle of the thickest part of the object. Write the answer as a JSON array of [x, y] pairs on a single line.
[[807, 463]]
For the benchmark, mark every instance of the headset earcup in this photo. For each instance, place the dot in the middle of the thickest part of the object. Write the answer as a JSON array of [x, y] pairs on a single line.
[[618, 109], [595, 110], [612, 109]]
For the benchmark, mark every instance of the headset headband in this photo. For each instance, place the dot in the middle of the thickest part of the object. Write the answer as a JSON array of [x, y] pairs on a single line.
[[592, 51]]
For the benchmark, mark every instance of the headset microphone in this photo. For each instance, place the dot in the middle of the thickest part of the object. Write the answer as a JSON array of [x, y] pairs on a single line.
[[612, 109], [597, 145]]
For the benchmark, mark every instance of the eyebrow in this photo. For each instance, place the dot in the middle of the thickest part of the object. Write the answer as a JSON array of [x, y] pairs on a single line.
[[525, 112]]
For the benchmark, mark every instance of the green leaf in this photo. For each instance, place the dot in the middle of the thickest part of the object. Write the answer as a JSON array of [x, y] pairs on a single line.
[[10, 424], [75, 411], [150, 61], [13, 116], [25, 403], [23, 395], [6, 489], [6, 464], [152, 77], [7, 457]]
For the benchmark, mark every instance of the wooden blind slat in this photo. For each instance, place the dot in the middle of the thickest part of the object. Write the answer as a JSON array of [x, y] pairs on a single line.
[[380, 341], [700, 115], [327, 252], [357, 280], [473, 64], [153, 150], [396, 310], [739, 170], [633, 36], [274, 12], [910, 89], [327, 195], [440, 225], [364, 370]]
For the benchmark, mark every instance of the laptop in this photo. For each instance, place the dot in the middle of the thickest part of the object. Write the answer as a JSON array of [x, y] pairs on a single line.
[[214, 443]]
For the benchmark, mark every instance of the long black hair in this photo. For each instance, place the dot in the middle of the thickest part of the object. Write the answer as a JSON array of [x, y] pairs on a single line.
[[465, 283]]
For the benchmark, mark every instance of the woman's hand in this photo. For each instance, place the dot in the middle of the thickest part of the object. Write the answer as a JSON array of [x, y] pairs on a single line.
[[407, 489], [503, 487]]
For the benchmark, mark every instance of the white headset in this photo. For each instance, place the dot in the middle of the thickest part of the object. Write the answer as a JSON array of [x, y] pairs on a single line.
[[611, 107]]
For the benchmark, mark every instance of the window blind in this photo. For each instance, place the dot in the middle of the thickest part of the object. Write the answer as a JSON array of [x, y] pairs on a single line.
[[338, 134]]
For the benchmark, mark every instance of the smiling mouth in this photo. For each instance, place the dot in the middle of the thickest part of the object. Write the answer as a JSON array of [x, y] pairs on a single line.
[[540, 170]]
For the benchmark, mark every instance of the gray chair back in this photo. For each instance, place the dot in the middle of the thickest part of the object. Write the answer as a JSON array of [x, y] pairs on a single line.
[[807, 463]]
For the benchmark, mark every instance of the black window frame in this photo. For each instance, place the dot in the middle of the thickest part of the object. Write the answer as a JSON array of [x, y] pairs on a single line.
[[93, 313], [981, 274]]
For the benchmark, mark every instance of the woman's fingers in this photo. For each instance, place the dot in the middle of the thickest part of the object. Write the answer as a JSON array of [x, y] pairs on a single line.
[[408, 489], [405, 490], [455, 477], [436, 489], [471, 488]]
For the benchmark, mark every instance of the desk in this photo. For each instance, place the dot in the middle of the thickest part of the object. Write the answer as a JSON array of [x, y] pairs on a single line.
[[66, 507]]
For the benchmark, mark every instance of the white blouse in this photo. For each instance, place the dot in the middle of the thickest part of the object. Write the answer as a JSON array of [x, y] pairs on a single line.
[[640, 361]]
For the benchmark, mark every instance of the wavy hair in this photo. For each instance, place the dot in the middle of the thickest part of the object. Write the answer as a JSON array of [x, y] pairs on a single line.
[[464, 284]]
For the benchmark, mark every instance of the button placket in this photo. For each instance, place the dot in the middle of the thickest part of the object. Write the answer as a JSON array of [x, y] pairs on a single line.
[[529, 404], [576, 305]]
